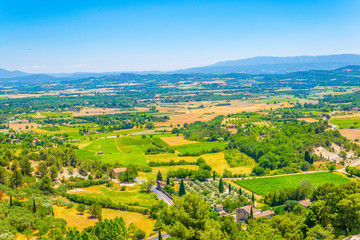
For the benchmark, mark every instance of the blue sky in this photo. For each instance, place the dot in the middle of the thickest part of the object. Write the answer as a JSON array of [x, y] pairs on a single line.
[[97, 36]]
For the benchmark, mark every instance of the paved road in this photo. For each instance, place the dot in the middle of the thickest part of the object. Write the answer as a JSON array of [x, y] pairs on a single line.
[[354, 164], [162, 196], [165, 235]]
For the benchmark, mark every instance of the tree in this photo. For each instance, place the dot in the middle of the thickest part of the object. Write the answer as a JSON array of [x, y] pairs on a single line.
[[229, 188], [34, 206], [160, 236], [214, 175], [130, 174], [96, 211], [252, 198], [3, 175], [331, 167], [182, 188], [45, 185], [189, 218], [251, 213], [159, 176], [147, 185], [16, 179], [221, 186], [307, 157], [54, 171], [81, 208], [42, 170], [240, 191], [25, 166], [168, 181]]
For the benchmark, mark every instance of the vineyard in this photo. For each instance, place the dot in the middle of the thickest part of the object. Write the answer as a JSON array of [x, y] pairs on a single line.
[[209, 191], [248, 124]]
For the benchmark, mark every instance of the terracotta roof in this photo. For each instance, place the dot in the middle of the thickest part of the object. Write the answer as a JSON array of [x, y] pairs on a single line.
[[219, 205], [305, 203], [116, 170], [266, 213], [247, 208]]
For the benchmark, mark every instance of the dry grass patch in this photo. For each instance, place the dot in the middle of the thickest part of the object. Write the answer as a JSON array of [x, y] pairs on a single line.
[[176, 141], [350, 133], [72, 218]]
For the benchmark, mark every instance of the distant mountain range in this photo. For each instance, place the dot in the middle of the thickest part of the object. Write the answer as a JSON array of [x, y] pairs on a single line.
[[278, 65], [255, 65]]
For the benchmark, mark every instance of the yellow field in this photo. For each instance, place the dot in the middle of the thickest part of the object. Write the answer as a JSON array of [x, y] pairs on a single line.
[[219, 164], [176, 141], [166, 157], [82, 221]]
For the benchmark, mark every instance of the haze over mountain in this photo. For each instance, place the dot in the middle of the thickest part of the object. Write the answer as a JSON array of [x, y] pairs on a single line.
[[255, 65], [275, 65]]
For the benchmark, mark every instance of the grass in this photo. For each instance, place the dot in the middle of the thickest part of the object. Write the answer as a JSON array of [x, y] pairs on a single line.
[[348, 122], [107, 146], [55, 114], [130, 195], [264, 185], [199, 147], [82, 221], [177, 141]]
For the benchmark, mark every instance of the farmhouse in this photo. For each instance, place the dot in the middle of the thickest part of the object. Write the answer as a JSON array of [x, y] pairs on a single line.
[[305, 203], [243, 213], [219, 207], [116, 172]]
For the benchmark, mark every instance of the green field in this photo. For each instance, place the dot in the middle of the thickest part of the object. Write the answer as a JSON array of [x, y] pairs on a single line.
[[130, 195], [56, 115], [349, 122], [262, 186], [198, 147]]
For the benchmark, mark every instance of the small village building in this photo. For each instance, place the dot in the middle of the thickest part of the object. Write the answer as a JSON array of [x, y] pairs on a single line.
[[305, 203], [116, 172], [243, 213], [269, 214], [218, 207]]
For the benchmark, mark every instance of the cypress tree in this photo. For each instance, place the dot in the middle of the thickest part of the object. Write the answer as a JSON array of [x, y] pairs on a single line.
[[168, 181], [160, 237], [251, 213], [252, 197], [182, 188], [240, 191], [11, 203], [34, 205], [214, 175], [159, 176], [221, 186], [229, 188], [307, 157]]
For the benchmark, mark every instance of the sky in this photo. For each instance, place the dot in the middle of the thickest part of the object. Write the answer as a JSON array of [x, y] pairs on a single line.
[[129, 35]]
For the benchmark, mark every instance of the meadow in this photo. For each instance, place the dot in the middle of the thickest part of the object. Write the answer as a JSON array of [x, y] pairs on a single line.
[[132, 194], [346, 122], [264, 185], [200, 147]]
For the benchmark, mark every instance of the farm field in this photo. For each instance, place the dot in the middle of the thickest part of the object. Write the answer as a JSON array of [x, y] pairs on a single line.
[[200, 147], [131, 195], [177, 141], [350, 133], [74, 219], [264, 185], [346, 122]]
